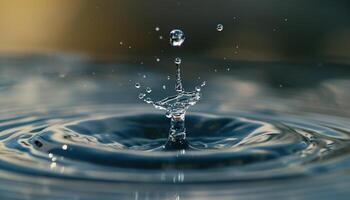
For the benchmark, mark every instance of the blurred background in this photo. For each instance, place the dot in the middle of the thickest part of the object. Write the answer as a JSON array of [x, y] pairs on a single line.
[[253, 29]]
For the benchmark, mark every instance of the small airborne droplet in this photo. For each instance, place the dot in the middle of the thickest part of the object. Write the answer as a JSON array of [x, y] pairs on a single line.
[[148, 100], [178, 61], [164, 87], [137, 85], [157, 59], [219, 27], [148, 90], [203, 84], [142, 95], [177, 37], [157, 28]]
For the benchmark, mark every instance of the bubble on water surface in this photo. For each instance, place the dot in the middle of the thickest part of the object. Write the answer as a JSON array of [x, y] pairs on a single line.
[[137, 85], [177, 37]]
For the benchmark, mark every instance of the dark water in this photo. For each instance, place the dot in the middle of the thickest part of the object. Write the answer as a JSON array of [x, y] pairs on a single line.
[[74, 129]]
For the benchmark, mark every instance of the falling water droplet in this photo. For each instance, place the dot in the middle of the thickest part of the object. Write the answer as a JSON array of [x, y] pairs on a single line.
[[228, 69], [157, 59], [137, 85], [168, 77], [142, 95], [148, 90], [164, 87], [203, 84], [219, 27], [177, 37], [178, 61], [144, 76], [157, 28]]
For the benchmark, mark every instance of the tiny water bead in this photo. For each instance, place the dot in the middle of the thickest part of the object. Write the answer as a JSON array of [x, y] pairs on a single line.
[[137, 85], [164, 87], [142, 95], [178, 61], [157, 28], [148, 100], [148, 90], [219, 27], [177, 37], [158, 59]]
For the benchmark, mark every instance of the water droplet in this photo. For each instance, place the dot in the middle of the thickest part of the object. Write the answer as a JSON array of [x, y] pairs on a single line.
[[121, 43], [215, 70], [148, 100], [203, 84], [148, 90], [178, 61], [177, 37], [157, 59], [142, 95], [137, 85], [144, 76], [160, 37], [228, 69], [286, 19], [219, 27], [168, 77], [157, 28], [64, 147], [197, 88], [164, 87]]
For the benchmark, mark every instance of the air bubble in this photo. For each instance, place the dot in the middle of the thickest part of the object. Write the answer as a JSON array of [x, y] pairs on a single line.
[[137, 85]]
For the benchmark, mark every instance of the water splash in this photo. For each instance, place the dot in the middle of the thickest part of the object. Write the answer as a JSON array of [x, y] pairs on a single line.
[[177, 105]]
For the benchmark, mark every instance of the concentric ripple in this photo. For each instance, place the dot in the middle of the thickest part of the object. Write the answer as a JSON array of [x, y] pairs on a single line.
[[107, 144]]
